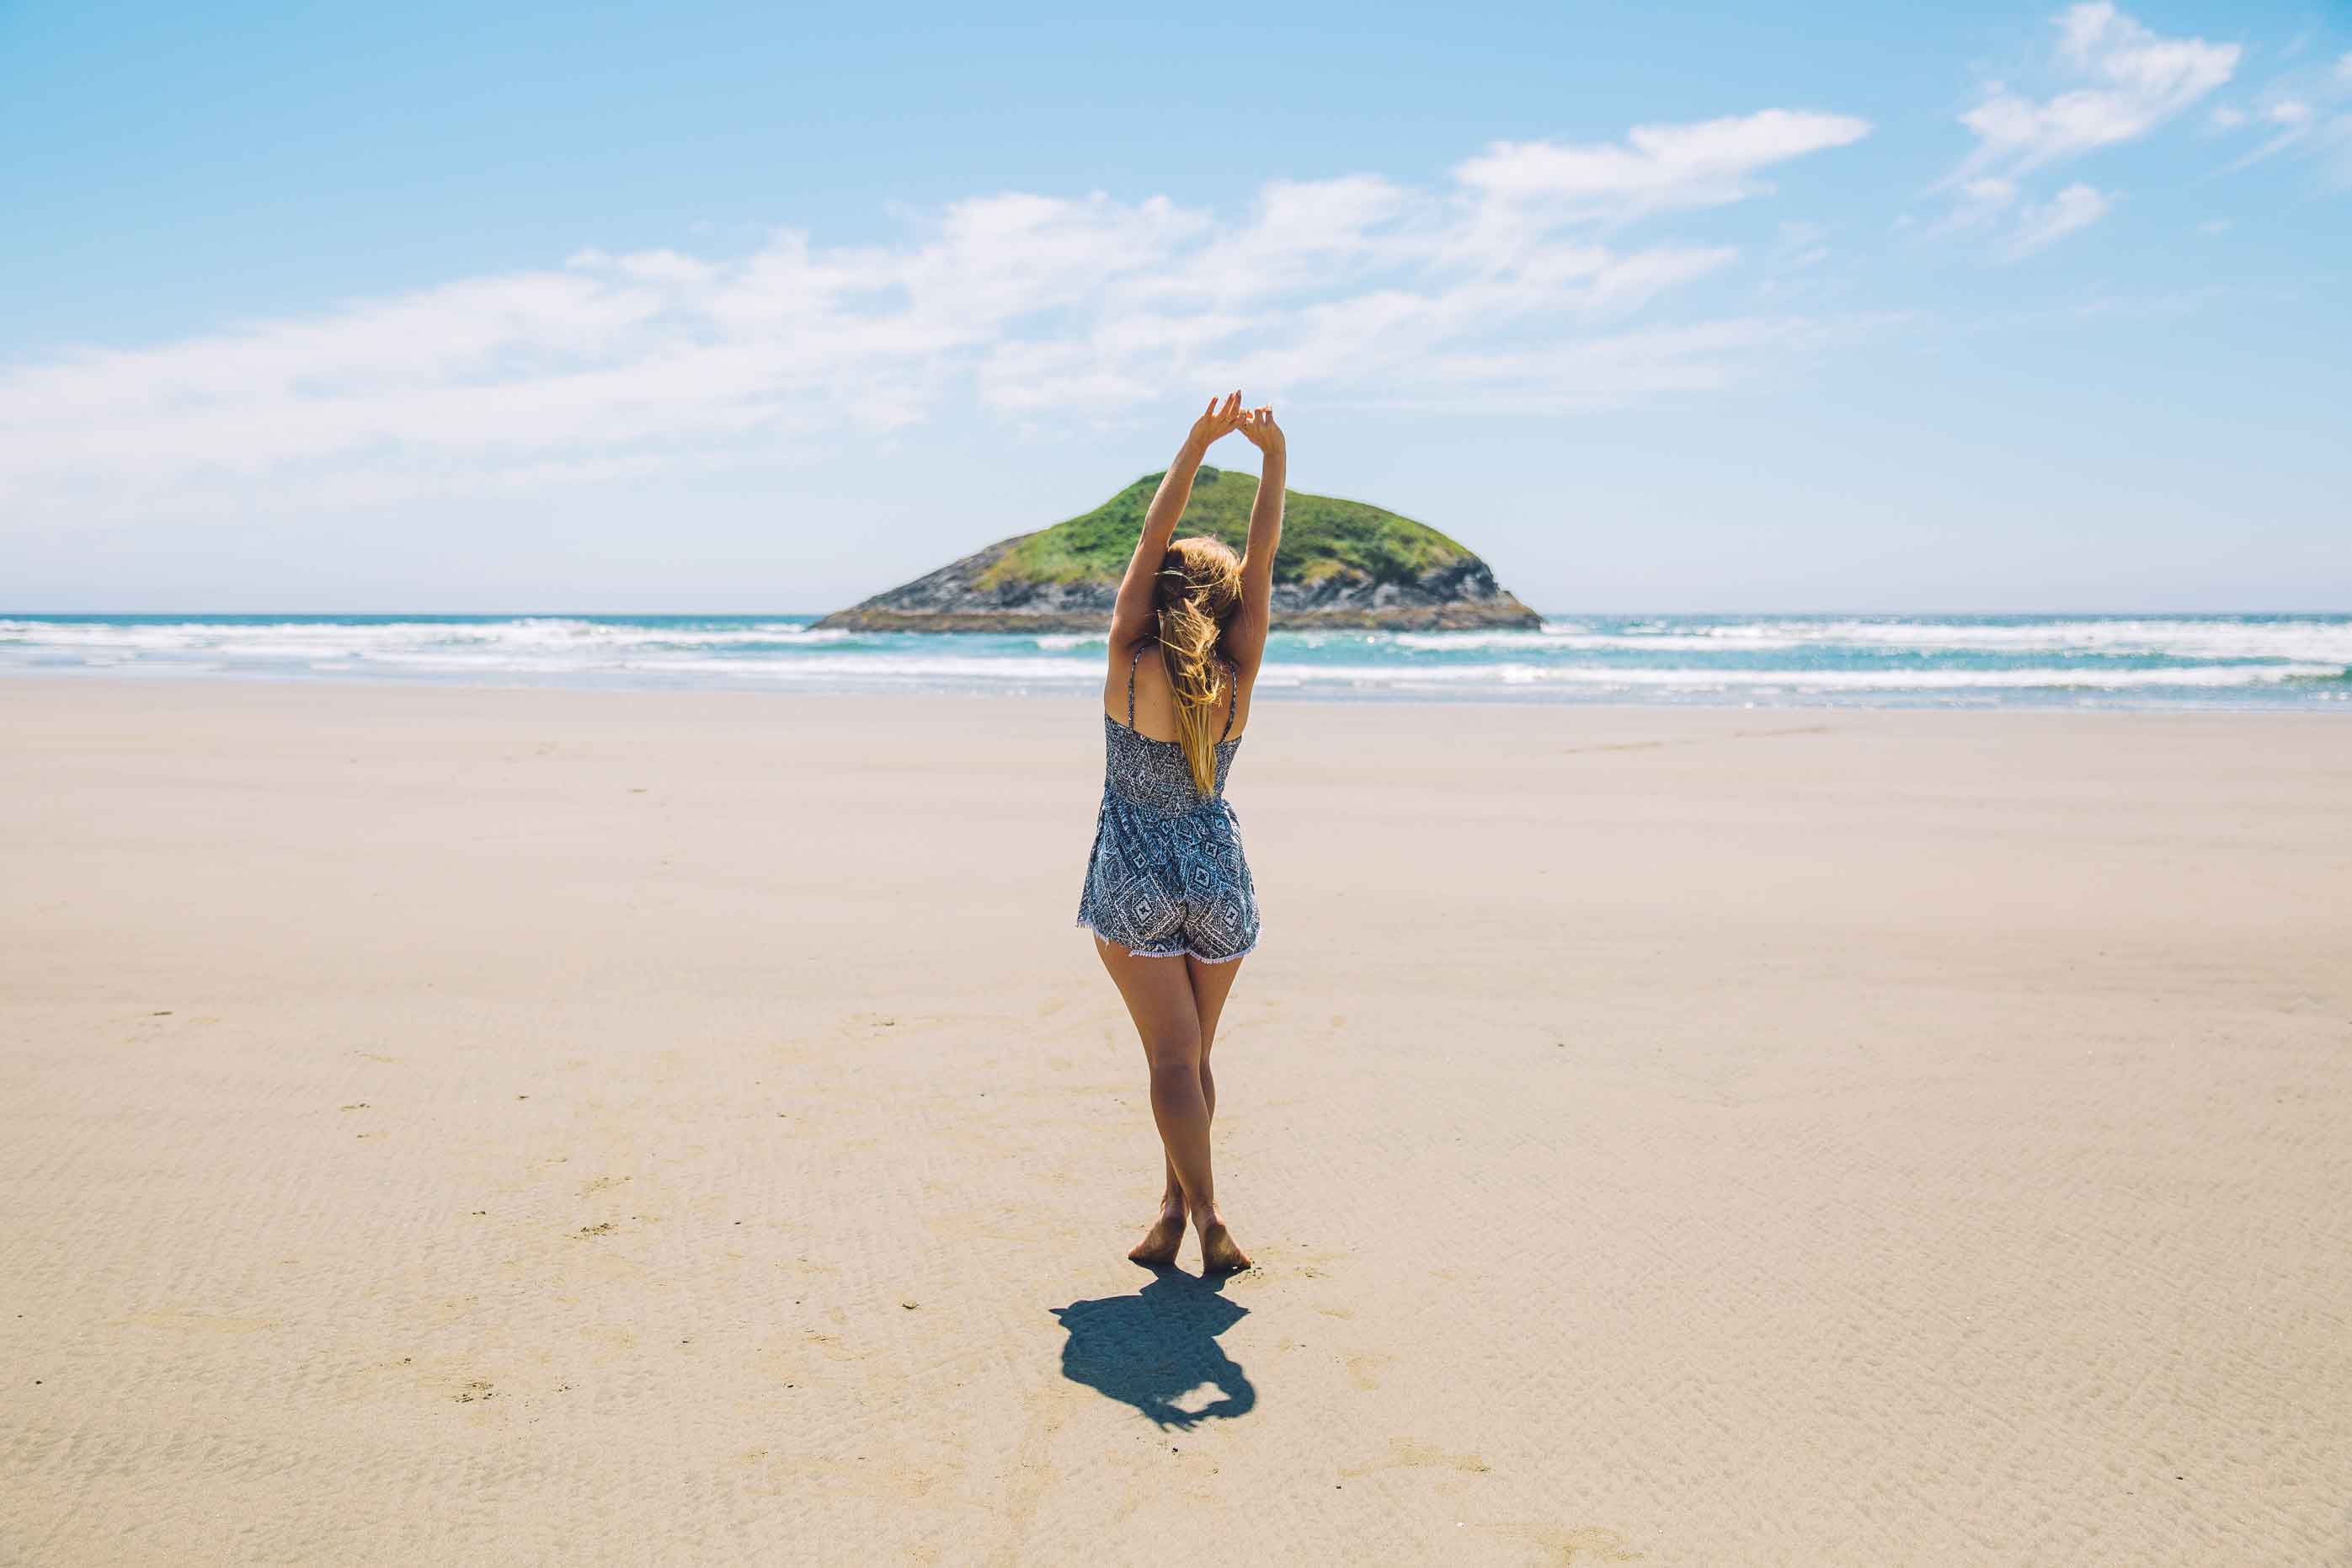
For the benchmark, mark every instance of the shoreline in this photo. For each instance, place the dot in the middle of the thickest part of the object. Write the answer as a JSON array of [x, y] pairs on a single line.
[[1472, 697], [2250, 663]]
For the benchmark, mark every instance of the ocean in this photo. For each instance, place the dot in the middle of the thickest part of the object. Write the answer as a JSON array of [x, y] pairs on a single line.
[[2282, 661]]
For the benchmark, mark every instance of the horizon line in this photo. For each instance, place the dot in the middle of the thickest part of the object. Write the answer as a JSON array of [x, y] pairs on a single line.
[[817, 615]]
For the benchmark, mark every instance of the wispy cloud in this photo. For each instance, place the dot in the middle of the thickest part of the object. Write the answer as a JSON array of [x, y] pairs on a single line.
[[1657, 166], [2137, 81], [1511, 285], [2301, 110], [2044, 223], [2128, 82], [2295, 120], [1977, 202]]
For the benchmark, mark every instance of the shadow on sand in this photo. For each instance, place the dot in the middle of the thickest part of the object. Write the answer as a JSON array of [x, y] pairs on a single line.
[[1158, 1347]]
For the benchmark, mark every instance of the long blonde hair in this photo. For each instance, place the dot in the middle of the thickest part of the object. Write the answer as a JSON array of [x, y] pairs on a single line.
[[1198, 588]]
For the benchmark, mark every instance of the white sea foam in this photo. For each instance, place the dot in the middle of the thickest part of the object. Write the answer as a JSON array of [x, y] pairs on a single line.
[[806, 669], [1670, 659], [2328, 641], [2049, 677], [2203, 639], [1565, 640], [286, 639]]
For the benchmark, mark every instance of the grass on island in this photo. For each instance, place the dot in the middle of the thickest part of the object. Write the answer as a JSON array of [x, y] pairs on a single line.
[[1321, 536]]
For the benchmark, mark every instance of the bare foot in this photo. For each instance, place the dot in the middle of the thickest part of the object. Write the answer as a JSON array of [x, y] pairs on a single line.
[[1220, 1253], [1159, 1244]]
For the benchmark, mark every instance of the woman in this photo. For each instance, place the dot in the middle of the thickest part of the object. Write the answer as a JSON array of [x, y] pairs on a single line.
[[1168, 893]]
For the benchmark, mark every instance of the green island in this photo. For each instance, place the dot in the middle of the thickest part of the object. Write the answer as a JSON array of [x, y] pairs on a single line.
[[1343, 564]]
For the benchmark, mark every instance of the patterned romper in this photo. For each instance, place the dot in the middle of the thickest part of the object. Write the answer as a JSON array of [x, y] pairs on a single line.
[[1168, 875]]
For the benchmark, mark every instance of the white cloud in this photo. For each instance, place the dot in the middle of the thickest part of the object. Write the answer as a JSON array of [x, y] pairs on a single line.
[[1656, 167], [2300, 110], [2297, 121], [1598, 372], [614, 366], [1981, 201], [2045, 224], [2131, 82], [2136, 79]]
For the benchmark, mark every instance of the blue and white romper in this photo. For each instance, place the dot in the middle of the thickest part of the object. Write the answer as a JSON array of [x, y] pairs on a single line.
[[1168, 875]]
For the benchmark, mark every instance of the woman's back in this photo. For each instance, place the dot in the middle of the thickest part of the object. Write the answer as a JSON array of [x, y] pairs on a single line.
[[1155, 699]]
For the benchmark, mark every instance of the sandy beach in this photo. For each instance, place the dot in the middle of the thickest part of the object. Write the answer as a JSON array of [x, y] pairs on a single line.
[[522, 1126]]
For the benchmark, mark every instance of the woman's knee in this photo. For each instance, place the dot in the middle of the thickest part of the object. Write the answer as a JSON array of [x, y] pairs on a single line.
[[1175, 1046]]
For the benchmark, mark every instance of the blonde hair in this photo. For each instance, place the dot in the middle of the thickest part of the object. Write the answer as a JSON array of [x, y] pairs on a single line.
[[1195, 593]]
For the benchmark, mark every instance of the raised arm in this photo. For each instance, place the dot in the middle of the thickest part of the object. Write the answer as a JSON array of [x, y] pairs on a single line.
[[1245, 637], [1131, 613]]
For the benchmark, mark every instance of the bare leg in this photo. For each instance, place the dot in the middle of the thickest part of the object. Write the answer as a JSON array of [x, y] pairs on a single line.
[[1212, 983], [1160, 998]]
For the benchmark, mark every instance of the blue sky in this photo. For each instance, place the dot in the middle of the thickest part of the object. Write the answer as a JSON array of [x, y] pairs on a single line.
[[2026, 308]]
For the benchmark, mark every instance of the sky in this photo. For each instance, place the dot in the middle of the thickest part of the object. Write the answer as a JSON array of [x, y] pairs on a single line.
[[721, 307]]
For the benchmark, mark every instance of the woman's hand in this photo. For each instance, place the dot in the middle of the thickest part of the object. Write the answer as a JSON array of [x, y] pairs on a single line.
[[1264, 434], [1219, 421], [1130, 612]]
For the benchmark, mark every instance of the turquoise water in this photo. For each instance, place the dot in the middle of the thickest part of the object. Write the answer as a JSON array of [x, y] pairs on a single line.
[[1978, 661]]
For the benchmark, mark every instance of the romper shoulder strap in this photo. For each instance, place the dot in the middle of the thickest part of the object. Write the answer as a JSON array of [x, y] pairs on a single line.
[[1133, 659], [1233, 702]]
